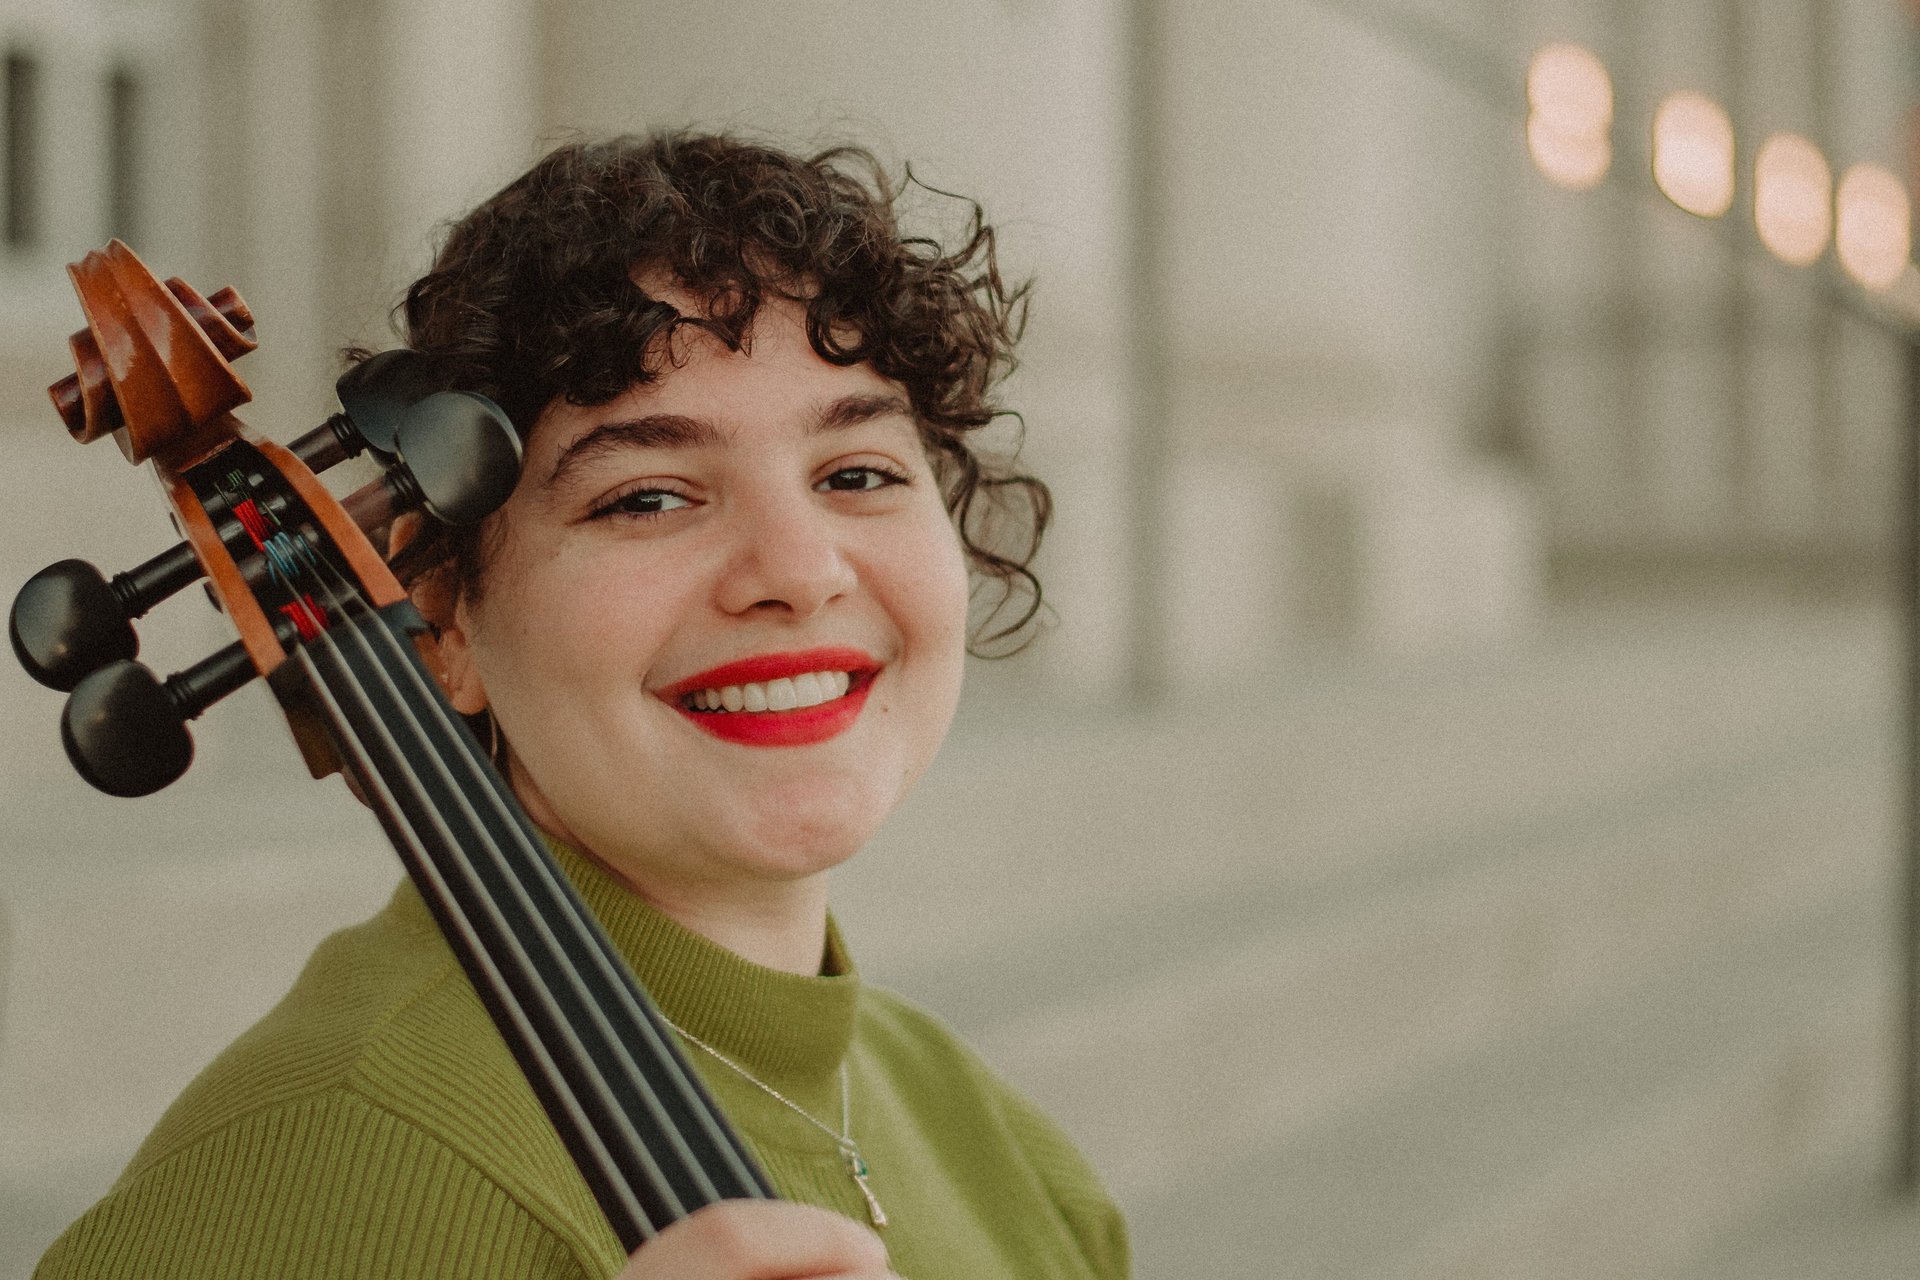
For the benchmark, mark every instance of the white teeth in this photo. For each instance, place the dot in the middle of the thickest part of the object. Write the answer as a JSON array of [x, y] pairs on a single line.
[[789, 694]]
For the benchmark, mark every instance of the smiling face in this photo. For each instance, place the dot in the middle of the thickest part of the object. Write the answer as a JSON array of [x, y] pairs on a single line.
[[754, 528]]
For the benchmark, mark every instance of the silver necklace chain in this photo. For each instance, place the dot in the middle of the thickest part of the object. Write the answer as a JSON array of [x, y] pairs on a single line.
[[849, 1149]]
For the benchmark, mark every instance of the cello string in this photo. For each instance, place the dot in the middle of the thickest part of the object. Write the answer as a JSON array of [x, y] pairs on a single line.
[[558, 972], [432, 699], [614, 971], [542, 922], [373, 779], [584, 1061]]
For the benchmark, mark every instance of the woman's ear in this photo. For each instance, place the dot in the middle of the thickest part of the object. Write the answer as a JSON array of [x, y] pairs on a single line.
[[405, 528], [439, 602]]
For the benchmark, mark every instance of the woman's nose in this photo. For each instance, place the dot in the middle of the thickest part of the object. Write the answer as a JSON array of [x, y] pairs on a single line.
[[790, 558]]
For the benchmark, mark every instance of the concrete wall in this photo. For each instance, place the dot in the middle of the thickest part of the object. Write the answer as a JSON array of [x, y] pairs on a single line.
[[1365, 287], [1338, 278], [1332, 268]]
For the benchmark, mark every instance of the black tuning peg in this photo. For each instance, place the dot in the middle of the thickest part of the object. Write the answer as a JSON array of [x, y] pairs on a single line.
[[69, 619], [456, 456], [125, 730], [378, 392], [459, 455], [374, 398]]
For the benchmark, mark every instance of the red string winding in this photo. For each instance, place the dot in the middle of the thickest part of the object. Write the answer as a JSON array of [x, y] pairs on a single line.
[[308, 618], [253, 521]]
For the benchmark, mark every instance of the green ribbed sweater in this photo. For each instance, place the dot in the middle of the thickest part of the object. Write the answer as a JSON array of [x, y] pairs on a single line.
[[374, 1124]]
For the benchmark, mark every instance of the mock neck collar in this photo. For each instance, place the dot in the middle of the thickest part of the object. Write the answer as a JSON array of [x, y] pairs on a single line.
[[775, 1024]]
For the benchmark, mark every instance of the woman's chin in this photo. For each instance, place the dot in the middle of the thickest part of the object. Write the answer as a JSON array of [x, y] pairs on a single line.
[[742, 855], [794, 853]]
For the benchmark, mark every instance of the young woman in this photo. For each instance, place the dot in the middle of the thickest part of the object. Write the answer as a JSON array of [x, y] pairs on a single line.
[[715, 635]]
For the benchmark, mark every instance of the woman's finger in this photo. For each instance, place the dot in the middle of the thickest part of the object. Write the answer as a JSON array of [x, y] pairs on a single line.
[[760, 1240]]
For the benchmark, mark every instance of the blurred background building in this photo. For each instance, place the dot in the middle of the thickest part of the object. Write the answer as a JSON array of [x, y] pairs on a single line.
[[1453, 827]]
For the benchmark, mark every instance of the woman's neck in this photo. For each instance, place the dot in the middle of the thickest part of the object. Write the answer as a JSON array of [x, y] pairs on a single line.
[[779, 924]]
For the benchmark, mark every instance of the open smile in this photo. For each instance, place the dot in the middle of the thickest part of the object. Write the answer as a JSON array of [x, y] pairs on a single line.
[[778, 699]]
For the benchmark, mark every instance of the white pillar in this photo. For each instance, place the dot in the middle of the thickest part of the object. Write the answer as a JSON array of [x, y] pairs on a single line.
[[1335, 287]]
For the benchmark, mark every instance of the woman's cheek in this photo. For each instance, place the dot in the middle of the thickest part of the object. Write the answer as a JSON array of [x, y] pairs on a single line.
[[957, 597]]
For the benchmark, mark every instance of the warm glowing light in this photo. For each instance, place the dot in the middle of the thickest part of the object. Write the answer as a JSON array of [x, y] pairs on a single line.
[[1569, 90], [1693, 153], [1873, 231], [1792, 198], [1573, 161], [1570, 100]]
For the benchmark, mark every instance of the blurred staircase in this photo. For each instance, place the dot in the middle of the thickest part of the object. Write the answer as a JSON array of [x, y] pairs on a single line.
[[1580, 964]]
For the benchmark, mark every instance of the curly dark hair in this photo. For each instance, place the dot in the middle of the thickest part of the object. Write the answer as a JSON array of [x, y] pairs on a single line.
[[533, 298]]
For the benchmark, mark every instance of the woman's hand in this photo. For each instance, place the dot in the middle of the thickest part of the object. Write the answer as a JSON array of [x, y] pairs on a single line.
[[761, 1240]]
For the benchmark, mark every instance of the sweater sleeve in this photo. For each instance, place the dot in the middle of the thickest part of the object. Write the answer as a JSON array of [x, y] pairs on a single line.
[[328, 1185], [1090, 1212]]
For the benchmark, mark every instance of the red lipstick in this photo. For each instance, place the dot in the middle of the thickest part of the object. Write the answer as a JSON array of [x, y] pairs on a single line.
[[799, 727]]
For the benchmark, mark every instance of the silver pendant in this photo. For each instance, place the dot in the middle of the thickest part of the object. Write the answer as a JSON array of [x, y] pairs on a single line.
[[858, 1168]]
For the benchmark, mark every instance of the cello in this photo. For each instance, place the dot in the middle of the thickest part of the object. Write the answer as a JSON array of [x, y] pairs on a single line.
[[320, 617]]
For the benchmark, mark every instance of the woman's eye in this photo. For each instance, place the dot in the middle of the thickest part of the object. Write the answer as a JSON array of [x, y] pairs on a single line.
[[644, 502], [853, 479]]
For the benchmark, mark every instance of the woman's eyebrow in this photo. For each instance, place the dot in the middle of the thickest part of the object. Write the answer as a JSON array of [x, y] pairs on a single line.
[[851, 411], [654, 431], [678, 431]]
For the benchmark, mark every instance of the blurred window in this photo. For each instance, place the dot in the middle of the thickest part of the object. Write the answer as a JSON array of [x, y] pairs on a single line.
[[21, 164]]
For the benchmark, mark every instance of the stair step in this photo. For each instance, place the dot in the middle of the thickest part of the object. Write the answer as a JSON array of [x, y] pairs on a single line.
[[1607, 1143]]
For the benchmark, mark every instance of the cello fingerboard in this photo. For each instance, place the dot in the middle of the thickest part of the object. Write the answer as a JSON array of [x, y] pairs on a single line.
[[645, 1133]]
